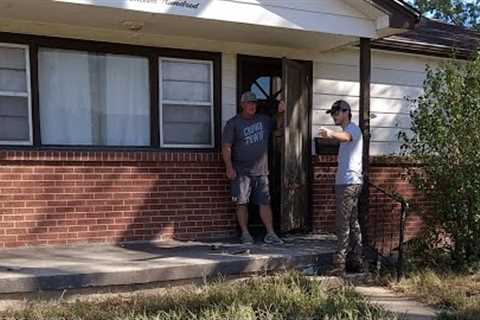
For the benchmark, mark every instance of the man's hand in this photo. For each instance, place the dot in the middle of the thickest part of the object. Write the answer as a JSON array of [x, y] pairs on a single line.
[[325, 133], [231, 173], [281, 106]]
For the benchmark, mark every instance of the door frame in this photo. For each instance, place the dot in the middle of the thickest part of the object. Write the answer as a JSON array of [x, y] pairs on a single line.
[[309, 66]]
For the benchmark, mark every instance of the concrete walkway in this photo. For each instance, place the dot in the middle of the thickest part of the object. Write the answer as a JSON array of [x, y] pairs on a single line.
[[406, 307], [96, 265]]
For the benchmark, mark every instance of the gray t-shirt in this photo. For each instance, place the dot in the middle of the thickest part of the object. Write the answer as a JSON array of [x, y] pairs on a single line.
[[349, 169], [249, 139]]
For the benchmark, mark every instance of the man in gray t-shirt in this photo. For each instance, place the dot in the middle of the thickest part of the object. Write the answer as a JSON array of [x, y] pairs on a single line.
[[245, 153], [249, 138], [348, 185]]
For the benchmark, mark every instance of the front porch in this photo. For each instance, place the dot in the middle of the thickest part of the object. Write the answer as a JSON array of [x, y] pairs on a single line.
[[92, 188], [81, 266]]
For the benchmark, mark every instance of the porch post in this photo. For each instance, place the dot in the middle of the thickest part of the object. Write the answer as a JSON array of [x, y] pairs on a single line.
[[365, 76]]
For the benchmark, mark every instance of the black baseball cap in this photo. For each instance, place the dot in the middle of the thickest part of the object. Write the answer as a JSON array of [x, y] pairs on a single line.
[[339, 105]]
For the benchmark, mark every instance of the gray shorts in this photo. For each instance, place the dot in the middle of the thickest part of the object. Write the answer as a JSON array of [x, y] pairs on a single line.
[[256, 187]]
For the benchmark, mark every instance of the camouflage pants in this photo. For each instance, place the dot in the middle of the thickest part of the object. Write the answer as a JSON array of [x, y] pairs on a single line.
[[349, 237]]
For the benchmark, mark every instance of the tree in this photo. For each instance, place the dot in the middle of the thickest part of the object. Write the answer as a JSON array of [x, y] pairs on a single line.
[[458, 12], [445, 139]]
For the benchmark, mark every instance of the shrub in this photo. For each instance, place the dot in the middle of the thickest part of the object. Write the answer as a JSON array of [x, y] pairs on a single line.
[[445, 139]]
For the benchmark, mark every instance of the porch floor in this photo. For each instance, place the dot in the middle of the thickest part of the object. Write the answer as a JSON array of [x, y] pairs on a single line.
[[99, 265]]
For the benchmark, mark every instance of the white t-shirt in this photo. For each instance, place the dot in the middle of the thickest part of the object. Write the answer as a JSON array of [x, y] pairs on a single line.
[[349, 169]]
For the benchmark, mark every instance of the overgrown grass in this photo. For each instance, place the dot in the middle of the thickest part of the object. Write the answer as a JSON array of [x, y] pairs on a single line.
[[457, 294], [288, 296]]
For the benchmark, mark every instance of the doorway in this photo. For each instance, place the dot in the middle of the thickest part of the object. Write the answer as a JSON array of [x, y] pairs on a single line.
[[272, 80]]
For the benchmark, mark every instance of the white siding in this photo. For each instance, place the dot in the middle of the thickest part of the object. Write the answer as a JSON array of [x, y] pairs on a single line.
[[395, 77], [336, 73], [229, 87]]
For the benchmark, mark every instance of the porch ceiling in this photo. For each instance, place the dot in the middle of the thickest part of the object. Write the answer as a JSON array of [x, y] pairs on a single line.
[[96, 14]]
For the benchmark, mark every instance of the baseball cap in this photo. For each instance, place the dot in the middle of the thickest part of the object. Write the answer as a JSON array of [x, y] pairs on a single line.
[[248, 96], [339, 105]]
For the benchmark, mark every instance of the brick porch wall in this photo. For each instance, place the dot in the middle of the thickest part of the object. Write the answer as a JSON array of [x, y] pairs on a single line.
[[384, 213], [60, 198]]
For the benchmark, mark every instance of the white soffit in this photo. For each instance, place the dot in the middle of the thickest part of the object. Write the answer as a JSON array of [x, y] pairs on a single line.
[[304, 24], [325, 16]]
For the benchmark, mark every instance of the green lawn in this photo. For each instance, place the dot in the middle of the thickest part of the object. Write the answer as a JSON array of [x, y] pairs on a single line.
[[282, 296]]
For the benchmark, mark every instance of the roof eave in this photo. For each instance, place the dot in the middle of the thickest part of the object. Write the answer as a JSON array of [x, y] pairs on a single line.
[[423, 49], [402, 15]]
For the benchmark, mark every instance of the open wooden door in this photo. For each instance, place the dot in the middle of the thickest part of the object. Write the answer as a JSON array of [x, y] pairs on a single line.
[[296, 145]]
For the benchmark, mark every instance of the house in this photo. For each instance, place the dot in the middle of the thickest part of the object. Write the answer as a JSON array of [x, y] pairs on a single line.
[[111, 111]]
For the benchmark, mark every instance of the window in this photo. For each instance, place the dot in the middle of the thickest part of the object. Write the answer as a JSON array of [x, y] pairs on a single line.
[[93, 99], [15, 97], [93, 94], [186, 103], [267, 87], [261, 87]]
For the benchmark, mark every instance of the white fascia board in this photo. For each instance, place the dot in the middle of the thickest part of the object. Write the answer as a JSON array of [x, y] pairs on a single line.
[[381, 18], [383, 22], [251, 12]]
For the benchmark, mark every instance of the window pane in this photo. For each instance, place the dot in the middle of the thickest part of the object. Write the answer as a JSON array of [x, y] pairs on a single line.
[[14, 106], [186, 71], [261, 83], [258, 93], [14, 111], [12, 70], [186, 124], [14, 129], [264, 82], [13, 80], [12, 58], [109, 103], [186, 81], [186, 91], [14, 119], [186, 113], [127, 101], [186, 133]]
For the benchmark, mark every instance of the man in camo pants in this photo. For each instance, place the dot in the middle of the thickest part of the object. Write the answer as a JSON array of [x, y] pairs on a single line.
[[348, 185]]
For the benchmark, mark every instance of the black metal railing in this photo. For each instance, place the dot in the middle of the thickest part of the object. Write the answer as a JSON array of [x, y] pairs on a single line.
[[404, 207]]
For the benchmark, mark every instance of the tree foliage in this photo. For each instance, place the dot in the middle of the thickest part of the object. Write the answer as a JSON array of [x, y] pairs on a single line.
[[458, 12], [446, 141]]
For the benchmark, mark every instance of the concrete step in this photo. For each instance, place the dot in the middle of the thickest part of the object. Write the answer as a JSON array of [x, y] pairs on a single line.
[[97, 265]]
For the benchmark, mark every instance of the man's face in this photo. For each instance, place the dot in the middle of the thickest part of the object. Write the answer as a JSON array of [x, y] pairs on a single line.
[[340, 116], [249, 108]]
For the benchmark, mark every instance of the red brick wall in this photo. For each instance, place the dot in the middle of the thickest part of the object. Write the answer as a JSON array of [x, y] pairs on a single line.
[[384, 213], [61, 198], [55, 197], [323, 197]]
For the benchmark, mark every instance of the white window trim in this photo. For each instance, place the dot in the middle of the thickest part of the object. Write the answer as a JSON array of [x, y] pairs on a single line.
[[27, 94], [161, 102]]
